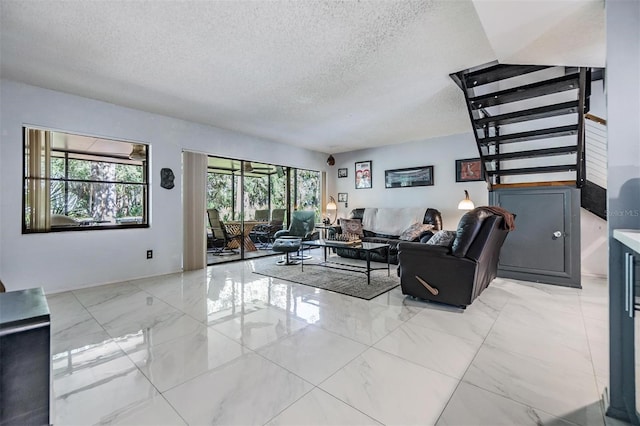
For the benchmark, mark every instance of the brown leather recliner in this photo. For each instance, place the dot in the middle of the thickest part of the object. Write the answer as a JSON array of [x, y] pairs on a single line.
[[456, 275]]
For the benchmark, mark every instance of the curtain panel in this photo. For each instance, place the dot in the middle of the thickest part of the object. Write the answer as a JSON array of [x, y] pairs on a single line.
[[194, 186], [38, 185]]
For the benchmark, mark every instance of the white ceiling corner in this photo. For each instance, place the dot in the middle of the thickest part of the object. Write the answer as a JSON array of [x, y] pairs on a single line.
[[330, 76]]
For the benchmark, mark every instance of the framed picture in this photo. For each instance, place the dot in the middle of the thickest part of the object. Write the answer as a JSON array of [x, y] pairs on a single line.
[[363, 174], [409, 177], [469, 170], [342, 173], [343, 197]]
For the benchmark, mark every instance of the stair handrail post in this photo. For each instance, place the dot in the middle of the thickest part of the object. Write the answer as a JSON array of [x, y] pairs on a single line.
[[583, 92], [459, 79]]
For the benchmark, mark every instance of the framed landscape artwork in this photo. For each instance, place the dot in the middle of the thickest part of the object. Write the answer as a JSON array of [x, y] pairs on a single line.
[[342, 173], [363, 174], [409, 177], [469, 170]]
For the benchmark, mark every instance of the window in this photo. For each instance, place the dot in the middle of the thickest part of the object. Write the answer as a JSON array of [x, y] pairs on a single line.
[[306, 191], [74, 182]]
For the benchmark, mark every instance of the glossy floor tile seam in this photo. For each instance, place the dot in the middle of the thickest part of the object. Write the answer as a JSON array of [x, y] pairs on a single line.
[[428, 368], [591, 356], [530, 357], [129, 355], [487, 389], [373, 346], [518, 403], [246, 350], [485, 376], [166, 400], [480, 346], [346, 365], [198, 280], [522, 403], [148, 295], [315, 389], [93, 318], [209, 371], [366, 348]]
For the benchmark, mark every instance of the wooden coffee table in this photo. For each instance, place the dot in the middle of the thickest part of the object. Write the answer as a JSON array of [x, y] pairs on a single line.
[[365, 247]]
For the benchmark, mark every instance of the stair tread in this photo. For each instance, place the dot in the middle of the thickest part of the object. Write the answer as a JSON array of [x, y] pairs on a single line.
[[498, 72], [546, 111], [545, 152], [533, 184], [531, 135], [533, 170], [528, 91]]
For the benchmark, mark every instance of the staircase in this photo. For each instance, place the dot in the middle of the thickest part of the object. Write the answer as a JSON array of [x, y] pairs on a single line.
[[529, 126], [528, 121]]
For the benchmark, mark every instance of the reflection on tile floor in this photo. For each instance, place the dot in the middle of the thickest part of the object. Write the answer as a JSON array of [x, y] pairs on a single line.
[[227, 346]]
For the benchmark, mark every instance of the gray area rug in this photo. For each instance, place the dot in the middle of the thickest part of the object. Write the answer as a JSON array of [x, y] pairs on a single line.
[[340, 281]]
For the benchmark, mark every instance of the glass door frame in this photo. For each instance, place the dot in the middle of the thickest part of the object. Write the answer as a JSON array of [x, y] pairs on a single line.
[[240, 171]]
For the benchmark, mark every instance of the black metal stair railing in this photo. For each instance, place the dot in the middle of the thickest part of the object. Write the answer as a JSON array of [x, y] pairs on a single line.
[[545, 95]]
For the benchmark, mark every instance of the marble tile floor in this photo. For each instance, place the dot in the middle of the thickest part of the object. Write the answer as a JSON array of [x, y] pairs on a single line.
[[227, 346]]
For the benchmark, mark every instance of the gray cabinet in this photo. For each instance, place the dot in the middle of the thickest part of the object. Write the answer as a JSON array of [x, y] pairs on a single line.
[[625, 353], [25, 358], [545, 246]]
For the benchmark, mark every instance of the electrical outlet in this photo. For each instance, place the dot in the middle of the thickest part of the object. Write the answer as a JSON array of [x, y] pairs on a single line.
[[149, 254]]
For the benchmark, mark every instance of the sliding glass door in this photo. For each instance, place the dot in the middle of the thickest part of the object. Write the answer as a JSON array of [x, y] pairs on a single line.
[[306, 191], [248, 202]]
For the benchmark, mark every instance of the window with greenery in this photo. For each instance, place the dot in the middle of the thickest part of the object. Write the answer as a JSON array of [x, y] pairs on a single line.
[[265, 188], [306, 191], [74, 182]]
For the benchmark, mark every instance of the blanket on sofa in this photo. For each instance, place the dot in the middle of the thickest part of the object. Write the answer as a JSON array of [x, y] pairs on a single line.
[[390, 220]]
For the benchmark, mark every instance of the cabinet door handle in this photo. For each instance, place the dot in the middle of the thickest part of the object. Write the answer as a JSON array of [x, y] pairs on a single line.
[[626, 282], [631, 283]]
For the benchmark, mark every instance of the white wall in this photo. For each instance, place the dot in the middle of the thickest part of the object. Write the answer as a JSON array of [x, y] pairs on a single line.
[[67, 260], [598, 100], [594, 244], [444, 195]]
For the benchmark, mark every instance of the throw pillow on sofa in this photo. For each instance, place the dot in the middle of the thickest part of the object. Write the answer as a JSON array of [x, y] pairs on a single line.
[[415, 231], [443, 238], [351, 226]]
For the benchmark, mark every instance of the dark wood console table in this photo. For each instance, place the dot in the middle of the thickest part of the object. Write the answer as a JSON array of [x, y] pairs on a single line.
[[25, 358]]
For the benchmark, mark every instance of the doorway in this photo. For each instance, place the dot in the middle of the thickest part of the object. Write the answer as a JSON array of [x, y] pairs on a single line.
[[253, 201]]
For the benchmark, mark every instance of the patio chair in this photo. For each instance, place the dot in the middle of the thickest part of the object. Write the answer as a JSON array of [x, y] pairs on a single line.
[[263, 234], [218, 242], [261, 215], [278, 215]]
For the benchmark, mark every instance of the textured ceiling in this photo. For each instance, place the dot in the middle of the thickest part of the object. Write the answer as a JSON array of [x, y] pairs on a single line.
[[325, 75]]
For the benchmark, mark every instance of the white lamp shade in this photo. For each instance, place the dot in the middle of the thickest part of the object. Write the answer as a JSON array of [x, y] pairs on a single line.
[[332, 210], [466, 204]]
